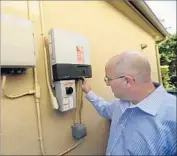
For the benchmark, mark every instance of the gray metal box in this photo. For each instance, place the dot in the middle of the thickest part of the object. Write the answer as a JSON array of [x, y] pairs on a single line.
[[78, 131]]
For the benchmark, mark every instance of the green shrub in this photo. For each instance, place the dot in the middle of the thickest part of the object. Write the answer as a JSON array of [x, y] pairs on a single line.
[[165, 76], [168, 57]]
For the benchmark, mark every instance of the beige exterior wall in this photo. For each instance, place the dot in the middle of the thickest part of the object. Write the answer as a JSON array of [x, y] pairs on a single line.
[[109, 33]]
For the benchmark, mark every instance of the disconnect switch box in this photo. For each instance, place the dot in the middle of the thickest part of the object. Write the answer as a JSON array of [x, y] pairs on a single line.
[[66, 94]]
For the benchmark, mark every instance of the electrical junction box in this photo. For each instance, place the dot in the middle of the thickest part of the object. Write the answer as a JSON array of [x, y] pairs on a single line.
[[17, 43], [78, 131], [70, 60]]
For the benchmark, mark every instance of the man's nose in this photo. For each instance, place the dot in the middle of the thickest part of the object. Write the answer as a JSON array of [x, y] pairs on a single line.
[[107, 83]]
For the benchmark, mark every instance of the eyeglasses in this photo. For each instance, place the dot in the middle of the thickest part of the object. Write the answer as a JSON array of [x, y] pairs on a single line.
[[107, 79]]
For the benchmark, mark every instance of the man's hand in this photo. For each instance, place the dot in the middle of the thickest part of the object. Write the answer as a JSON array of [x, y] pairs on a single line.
[[85, 86]]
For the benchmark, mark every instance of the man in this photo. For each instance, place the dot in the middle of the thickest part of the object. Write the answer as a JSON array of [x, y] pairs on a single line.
[[143, 117]]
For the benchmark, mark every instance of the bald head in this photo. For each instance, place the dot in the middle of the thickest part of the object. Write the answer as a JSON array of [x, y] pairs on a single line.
[[131, 64]]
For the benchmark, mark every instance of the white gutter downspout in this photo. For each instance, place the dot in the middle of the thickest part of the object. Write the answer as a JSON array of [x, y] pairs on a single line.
[[158, 58]]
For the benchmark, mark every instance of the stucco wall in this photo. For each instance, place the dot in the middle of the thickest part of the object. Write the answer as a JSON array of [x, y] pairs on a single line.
[[109, 33]]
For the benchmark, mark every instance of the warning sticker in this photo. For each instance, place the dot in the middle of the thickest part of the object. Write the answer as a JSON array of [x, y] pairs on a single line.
[[80, 54], [69, 83]]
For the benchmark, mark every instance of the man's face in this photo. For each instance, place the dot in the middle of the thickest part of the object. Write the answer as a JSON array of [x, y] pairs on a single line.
[[117, 83]]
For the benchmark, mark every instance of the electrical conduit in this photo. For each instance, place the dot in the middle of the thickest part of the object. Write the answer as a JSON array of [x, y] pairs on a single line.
[[78, 119], [37, 99], [53, 98]]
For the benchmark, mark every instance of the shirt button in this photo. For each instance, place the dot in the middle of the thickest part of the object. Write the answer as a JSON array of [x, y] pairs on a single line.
[[121, 125]]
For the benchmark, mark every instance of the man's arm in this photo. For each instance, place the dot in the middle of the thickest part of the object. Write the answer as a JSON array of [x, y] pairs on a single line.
[[103, 107]]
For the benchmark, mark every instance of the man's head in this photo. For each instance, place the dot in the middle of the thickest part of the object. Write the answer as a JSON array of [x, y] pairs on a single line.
[[127, 73]]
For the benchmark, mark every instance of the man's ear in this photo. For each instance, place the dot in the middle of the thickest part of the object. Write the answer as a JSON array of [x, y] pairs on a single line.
[[130, 81]]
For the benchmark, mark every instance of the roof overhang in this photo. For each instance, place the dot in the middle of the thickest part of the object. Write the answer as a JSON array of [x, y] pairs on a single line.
[[144, 12]]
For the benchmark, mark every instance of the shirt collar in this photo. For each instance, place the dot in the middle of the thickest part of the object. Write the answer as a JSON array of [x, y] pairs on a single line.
[[152, 103]]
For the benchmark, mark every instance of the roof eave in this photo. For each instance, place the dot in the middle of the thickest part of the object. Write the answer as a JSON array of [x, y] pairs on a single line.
[[145, 10], [146, 14]]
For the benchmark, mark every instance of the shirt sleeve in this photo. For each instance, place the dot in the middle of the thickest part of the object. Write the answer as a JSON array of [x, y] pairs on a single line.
[[104, 108]]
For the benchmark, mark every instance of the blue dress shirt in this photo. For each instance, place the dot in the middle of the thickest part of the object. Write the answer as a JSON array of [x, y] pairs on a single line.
[[147, 128]]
